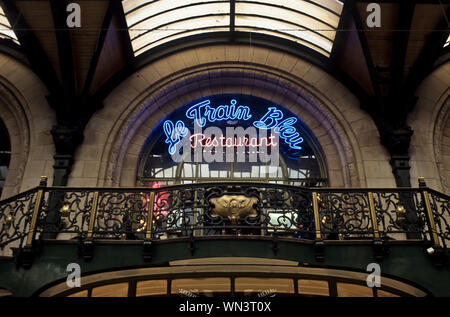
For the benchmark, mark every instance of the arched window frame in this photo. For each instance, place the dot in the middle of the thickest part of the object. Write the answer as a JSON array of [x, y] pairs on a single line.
[[175, 173]]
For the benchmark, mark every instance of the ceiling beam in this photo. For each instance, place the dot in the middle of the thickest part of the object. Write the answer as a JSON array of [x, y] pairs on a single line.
[[123, 29], [365, 46], [341, 32], [431, 53], [400, 45], [98, 50], [30, 45], [64, 51]]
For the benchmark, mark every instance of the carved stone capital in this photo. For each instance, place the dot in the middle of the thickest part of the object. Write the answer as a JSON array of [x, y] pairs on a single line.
[[396, 139], [67, 138]]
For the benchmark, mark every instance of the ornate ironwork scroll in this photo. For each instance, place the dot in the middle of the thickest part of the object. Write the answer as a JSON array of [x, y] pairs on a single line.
[[400, 214], [72, 210], [344, 215], [15, 219], [440, 206], [121, 214], [225, 209]]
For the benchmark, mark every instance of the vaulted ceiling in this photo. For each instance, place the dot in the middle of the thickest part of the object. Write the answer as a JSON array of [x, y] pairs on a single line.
[[118, 37]]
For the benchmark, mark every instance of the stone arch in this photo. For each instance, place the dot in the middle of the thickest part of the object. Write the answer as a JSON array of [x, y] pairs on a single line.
[[261, 86], [13, 114], [430, 144], [137, 105], [441, 142], [28, 118]]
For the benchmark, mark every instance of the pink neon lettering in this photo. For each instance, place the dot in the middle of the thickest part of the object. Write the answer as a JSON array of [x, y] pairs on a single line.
[[200, 139]]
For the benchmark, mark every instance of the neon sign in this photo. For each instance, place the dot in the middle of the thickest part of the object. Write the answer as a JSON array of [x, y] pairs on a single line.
[[200, 139], [285, 128], [202, 113], [174, 134]]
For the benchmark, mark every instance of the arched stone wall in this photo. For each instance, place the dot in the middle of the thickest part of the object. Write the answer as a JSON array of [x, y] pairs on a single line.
[[13, 115], [233, 83], [29, 119], [442, 145], [430, 120], [116, 134]]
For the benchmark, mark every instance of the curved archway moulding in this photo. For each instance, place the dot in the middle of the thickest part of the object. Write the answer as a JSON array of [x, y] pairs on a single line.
[[347, 136], [28, 118]]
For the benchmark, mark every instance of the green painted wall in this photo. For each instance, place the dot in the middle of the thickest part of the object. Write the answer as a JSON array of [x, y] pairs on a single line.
[[408, 263]]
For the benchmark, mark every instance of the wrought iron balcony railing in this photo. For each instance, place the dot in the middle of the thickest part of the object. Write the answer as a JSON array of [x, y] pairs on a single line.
[[231, 209]]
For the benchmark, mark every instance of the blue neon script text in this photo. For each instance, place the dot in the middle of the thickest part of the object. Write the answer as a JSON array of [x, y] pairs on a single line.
[[203, 113], [174, 134], [272, 120]]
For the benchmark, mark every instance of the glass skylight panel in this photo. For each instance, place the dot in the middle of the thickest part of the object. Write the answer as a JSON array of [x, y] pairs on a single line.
[[299, 20], [152, 23], [175, 36], [333, 5], [159, 37], [267, 24], [138, 10], [288, 37], [165, 19], [312, 23], [304, 8], [6, 30]]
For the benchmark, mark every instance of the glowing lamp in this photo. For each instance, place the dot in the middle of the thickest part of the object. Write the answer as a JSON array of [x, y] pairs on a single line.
[[8, 220], [65, 210]]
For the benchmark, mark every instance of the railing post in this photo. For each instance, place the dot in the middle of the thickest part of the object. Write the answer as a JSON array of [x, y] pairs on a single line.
[[88, 243], [436, 252], [429, 213], [26, 255], [148, 231], [93, 215], [194, 210], [319, 245], [316, 216], [36, 210], [147, 246], [378, 248], [373, 216]]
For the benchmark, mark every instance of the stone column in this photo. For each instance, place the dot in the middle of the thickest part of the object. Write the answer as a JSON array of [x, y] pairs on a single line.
[[66, 138]]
